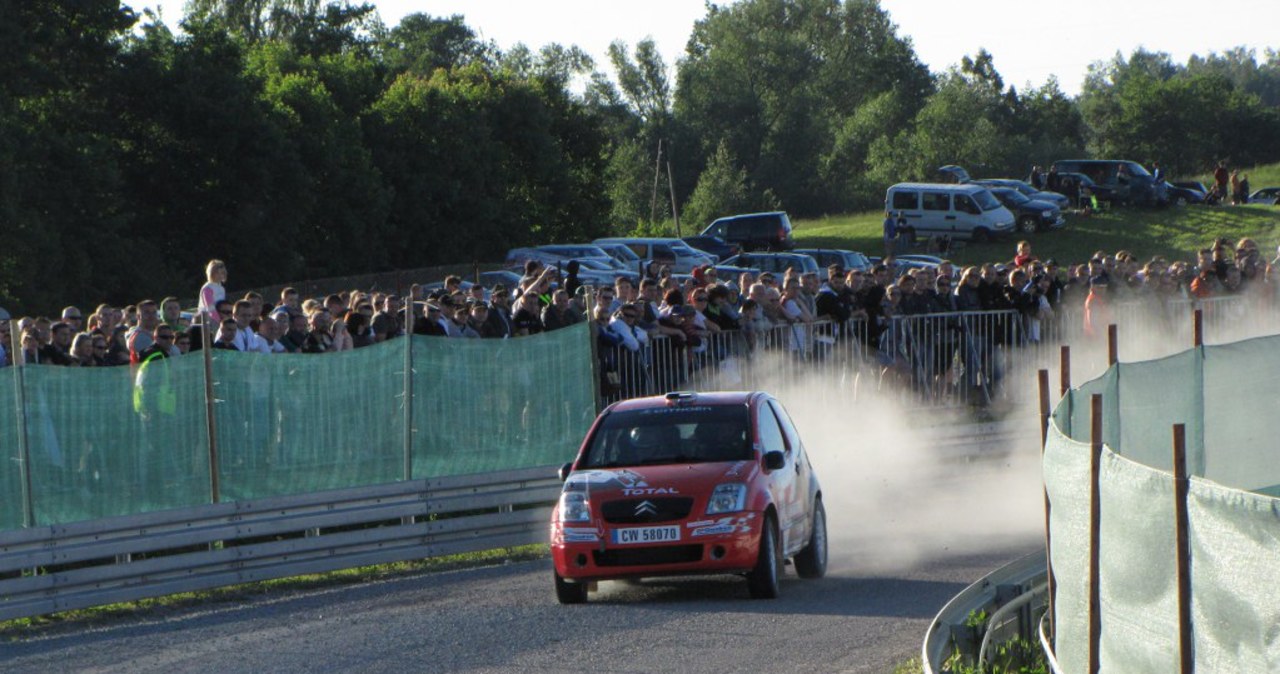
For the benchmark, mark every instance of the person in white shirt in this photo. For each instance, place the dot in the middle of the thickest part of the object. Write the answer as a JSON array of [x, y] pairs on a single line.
[[246, 339]]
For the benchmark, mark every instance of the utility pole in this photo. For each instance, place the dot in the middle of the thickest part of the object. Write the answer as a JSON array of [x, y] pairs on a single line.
[[657, 173]]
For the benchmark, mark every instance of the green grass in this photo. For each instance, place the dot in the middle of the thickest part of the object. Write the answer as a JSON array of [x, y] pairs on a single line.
[[1175, 233], [1259, 177], [23, 627]]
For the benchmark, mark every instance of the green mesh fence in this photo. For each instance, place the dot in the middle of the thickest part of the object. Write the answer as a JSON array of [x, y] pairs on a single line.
[[1226, 395], [120, 441], [483, 405], [11, 500], [96, 451], [295, 423]]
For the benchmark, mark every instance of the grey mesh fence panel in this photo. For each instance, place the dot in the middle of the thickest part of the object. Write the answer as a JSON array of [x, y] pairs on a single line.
[[1234, 532], [294, 423], [11, 491], [99, 450], [1066, 469], [1137, 579], [483, 405], [1151, 407], [1237, 377], [1235, 579]]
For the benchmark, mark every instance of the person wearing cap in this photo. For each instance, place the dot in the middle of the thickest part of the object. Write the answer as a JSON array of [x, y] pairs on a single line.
[[429, 325], [71, 316]]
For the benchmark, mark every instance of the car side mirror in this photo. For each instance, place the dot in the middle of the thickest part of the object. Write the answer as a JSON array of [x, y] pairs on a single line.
[[775, 460], [565, 470]]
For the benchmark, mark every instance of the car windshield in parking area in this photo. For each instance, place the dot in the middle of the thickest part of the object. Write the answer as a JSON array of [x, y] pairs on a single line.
[[986, 201], [676, 434], [1013, 196]]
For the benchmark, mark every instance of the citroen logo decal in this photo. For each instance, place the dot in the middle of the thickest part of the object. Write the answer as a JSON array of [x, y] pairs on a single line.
[[646, 508]]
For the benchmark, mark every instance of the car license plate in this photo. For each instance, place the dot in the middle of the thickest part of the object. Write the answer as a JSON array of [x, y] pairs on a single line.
[[646, 535]]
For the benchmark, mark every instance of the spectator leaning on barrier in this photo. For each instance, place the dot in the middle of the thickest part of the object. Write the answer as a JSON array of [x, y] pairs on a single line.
[[58, 350]]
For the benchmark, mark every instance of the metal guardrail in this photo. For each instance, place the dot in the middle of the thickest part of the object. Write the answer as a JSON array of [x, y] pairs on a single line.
[[69, 566], [1006, 586]]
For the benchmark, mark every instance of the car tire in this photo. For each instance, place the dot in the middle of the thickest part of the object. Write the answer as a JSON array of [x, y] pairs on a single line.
[[1027, 225], [569, 592], [811, 562], [762, 581], [1180, 201]]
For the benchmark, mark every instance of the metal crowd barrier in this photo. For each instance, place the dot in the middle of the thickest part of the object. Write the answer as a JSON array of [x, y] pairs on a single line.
[[942, 359], [952, 359]]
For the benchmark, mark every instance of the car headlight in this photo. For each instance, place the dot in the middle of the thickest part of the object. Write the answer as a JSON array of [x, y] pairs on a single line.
[[727, 498], [1048, 215], [574, 508]]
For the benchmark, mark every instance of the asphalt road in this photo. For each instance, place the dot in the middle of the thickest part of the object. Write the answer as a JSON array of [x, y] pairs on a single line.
[[506, 619]]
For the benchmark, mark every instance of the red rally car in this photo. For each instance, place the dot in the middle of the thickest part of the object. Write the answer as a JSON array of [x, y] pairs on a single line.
[[689, 483]]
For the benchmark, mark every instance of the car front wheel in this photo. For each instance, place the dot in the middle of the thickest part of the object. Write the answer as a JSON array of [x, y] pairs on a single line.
[[762, 581], [1027, 225], [569, 592], [812, 561]]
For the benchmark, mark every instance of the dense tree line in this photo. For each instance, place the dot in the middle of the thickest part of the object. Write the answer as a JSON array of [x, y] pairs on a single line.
[[305, 138]]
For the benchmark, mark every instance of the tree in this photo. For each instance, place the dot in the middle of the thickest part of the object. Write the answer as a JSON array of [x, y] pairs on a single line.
[[776, 80], [722, 190]]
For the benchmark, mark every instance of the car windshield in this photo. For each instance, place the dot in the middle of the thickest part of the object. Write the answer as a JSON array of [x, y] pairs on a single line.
[[683, 249], [1022, 187], [678, 434], [1012, 196], [1137, 169], [986, 200]]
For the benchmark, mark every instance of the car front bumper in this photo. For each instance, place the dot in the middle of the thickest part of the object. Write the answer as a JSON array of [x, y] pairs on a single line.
[[712, 544]]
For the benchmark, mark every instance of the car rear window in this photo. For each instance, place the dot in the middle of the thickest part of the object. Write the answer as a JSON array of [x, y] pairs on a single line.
[[681, 434]]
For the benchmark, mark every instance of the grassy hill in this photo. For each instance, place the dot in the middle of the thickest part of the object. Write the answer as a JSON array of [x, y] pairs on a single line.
[[1175, 233]]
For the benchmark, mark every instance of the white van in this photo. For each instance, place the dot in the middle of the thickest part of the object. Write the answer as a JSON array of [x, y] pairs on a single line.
[[967, 212]]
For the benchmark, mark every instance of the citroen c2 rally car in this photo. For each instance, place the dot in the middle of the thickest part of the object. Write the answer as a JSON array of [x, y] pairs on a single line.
[[689, 483]]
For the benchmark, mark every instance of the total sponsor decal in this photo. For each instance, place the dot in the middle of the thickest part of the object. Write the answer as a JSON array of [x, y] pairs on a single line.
[[731, 524], [632, 483]]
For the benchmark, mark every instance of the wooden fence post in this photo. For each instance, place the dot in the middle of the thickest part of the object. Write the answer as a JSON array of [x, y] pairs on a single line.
[[1181, 487]]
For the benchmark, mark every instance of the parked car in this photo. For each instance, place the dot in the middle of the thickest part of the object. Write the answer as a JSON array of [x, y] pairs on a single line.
[[1078, 186], [966, 211], [595, 271], [1032, 215], [1127, 181], [1266, 195], [713, 245], [689, 483], [669, 251], [506, 277], [1027, 189], [825, 257], [582, 251], [624, 255], [754, 231], [1187, 192], [778, 263]]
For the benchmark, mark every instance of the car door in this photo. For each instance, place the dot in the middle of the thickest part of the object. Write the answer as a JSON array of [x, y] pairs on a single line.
[[936, 214], [798, 463], [782, 482]]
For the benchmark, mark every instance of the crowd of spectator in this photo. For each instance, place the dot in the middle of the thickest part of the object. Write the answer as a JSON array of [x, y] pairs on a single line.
[[627, 316]]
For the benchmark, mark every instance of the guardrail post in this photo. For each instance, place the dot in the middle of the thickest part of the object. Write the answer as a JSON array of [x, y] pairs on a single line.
[[1113, 351], [409, 317], [210, 416], [1181, 486], [1048, 542], [1095, 530], [1197, 327]]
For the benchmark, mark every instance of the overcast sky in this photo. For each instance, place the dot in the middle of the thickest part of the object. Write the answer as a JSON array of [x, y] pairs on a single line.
[[1029, 40]]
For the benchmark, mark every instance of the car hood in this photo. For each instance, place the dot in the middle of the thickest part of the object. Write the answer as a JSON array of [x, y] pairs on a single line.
[[682, 479]]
